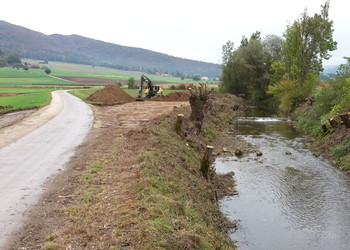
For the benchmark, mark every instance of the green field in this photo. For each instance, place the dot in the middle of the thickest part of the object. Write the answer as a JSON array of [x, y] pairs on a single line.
[[12, 77], [15, 80], [20, 77], [78, 70], [26, 98]]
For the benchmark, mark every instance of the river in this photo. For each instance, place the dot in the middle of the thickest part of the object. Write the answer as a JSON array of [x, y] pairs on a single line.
[[288, 197]]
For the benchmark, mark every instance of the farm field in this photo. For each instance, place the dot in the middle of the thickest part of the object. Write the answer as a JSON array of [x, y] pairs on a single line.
[[23, 98], [81, 75], [60, 69], [19, 77], [21, 83]]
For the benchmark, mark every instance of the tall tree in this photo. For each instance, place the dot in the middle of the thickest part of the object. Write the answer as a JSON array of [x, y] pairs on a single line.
[[246, 69], [307, 42]]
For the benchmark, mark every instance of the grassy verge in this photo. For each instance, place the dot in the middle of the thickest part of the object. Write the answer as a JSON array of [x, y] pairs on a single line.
[[83, 93], [24, 98], [182, 212], [333, 142]]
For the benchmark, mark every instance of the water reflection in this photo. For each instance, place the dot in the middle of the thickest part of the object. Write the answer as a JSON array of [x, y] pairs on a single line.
[[288, 198]]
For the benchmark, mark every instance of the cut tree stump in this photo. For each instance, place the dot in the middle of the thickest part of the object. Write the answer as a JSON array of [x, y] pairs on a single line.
[[346, 119]]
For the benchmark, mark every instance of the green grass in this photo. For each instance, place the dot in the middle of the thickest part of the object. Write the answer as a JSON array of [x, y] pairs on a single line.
[[83, 93], [10, 76], [27, 98], [19, 77], [79, 70]]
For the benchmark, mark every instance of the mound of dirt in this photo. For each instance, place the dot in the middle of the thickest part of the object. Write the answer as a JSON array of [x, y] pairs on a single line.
[[109, 95], [173, 97]]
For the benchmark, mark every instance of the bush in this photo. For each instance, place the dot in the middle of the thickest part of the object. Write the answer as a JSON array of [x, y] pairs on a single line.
[[290, 94], [48, 71], [131, 83], [182, 86]]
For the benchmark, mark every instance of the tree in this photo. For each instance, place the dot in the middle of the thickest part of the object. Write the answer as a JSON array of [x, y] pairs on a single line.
[[246, 69], [307, 42], [13, 59], [131, 83], [227, 52], [196, 77], [48, 71], [273, 47]]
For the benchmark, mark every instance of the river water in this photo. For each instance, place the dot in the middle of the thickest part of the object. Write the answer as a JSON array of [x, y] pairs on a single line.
[[288, 198]]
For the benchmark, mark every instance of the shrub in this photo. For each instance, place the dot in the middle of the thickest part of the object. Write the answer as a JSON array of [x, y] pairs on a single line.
[[131, 83], [182, 86]]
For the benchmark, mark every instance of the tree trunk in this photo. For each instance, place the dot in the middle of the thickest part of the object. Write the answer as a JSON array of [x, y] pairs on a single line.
[[346, 119]]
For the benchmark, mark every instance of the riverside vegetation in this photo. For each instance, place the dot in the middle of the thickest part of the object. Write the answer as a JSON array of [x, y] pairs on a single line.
[[284, 72]]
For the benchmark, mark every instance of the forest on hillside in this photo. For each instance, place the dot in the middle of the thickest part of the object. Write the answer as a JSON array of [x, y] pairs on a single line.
[[27, 43]]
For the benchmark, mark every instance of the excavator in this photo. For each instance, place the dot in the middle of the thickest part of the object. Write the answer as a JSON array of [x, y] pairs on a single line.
[[149, 90]]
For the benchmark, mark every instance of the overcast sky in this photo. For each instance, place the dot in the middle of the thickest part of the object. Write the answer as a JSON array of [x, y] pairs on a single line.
[[193, 29]]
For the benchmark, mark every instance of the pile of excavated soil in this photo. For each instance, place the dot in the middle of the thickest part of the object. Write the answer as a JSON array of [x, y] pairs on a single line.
[[109, 95], [172, 97]]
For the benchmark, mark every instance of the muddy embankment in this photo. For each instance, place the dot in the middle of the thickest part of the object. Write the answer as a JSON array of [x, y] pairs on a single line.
[[136, 182]]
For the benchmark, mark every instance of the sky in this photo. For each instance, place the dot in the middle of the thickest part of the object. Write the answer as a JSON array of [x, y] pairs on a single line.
[[192, 29]]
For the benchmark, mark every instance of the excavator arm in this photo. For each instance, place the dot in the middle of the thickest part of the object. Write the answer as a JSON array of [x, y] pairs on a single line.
[[152, 90], [143, 80]]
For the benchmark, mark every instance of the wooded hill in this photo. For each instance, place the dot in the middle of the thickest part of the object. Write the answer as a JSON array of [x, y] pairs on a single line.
[[31, 44]]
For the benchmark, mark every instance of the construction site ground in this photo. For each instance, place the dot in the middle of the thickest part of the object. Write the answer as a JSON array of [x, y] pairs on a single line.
[[109, 136]]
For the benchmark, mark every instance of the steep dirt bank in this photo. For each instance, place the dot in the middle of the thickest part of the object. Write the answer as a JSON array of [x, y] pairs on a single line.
[[135, 184]]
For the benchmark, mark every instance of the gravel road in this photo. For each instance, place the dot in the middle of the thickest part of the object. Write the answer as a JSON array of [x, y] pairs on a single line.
[[26, 163]]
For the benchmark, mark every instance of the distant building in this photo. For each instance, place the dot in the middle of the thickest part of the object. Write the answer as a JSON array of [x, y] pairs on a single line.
[[33, 65], [204, 78]]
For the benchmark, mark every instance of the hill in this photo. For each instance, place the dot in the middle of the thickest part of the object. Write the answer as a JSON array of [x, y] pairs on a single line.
[[78, 49]]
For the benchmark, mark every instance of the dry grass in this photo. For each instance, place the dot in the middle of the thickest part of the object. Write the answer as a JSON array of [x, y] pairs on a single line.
[[137, 189]]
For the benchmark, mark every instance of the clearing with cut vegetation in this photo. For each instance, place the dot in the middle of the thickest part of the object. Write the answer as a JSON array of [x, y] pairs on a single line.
[[135, 183]]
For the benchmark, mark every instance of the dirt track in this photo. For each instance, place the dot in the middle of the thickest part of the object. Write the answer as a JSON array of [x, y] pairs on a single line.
[[33, 150], [123, 117]]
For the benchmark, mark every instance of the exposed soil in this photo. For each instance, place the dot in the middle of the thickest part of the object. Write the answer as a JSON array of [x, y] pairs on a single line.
[[7, 94], [172, 97], [89, 80], [69, 216], [10, 118], [109, 95], [112, 134]]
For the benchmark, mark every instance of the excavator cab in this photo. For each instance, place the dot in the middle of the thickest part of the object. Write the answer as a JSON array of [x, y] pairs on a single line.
[[149, 90]]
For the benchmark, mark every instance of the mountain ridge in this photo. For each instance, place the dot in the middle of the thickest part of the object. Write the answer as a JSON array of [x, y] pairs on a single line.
[[75, 48]]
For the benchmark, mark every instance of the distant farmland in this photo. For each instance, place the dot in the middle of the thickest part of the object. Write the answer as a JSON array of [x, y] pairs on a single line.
[[77, 75]]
